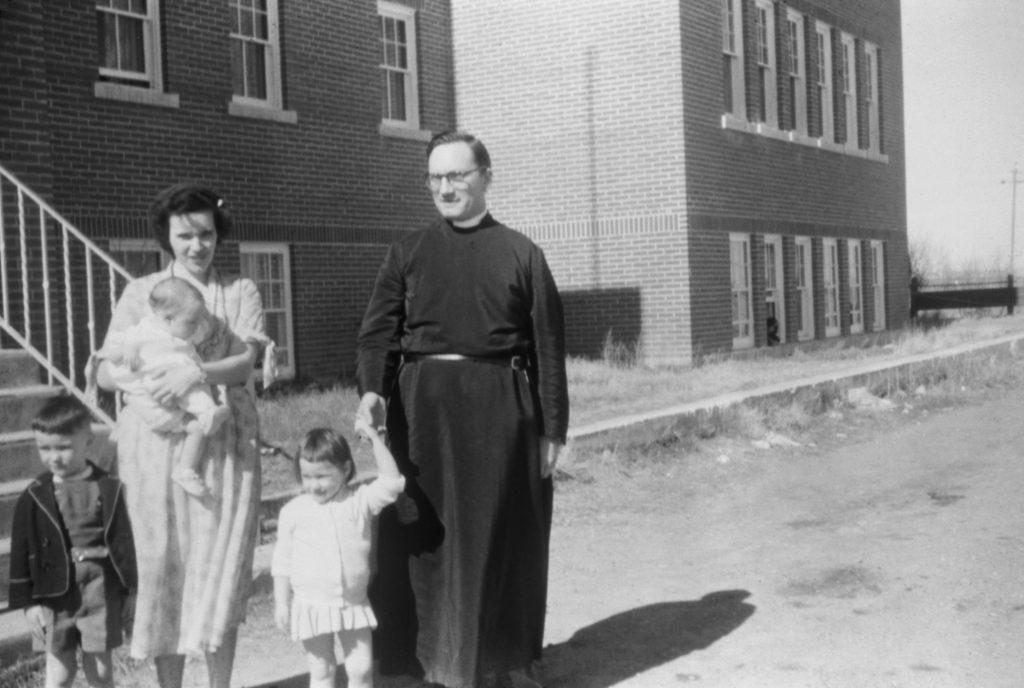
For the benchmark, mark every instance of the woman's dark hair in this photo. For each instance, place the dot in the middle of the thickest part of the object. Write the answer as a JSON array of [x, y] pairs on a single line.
[[480, 154], [321, 445], [182, 199]]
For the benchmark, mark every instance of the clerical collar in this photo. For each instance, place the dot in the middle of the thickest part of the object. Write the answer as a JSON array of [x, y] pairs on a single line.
[[471, 222]]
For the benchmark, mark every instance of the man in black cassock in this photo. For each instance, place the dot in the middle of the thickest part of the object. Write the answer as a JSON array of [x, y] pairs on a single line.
[[463, 345]]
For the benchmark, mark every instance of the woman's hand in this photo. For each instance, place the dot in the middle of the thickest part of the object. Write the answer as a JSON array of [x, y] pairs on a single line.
[[171, 383]]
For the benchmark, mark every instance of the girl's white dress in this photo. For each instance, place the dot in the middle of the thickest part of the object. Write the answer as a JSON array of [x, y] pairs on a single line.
[[324, 551]]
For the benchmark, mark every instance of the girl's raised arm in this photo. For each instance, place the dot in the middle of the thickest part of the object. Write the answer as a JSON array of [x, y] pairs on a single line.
[[386, 466]]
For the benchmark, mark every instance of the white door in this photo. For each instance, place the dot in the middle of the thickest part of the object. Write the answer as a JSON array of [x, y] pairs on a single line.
[[774, 293], [878, 284], [805, 288], [739, 271], [856, 287], [831, 250]]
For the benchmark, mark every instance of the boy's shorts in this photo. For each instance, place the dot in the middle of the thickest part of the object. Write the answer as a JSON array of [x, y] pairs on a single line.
[[93, 620]]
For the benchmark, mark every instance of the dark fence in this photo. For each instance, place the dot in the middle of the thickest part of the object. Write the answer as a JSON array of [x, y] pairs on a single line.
[[936, 297]]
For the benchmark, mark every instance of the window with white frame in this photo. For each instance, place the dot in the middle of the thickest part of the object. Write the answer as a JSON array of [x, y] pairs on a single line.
[[138, 256], [255, 53], [732, 59], [831, 251], [804, 289], [796, 69], [129, 42], [269, 266], [764, 35], [848, 78], [855, 272], [398, 66], [823, 70], [742, 307], [871, 97], [878, 284]]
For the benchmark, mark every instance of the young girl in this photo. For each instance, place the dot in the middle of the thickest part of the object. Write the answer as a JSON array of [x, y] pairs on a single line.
[[321, 563]]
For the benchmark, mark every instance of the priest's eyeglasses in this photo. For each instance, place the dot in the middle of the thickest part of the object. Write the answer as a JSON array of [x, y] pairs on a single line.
[[456, 179]]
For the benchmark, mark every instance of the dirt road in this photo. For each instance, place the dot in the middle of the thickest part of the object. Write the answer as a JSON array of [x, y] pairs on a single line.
[[886, 550], [891, 554]]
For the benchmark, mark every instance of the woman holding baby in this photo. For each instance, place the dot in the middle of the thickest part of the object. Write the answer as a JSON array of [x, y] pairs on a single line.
[[194, 555]]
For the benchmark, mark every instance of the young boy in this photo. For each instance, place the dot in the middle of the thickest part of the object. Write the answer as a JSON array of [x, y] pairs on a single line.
[[72, 553], [169, 336]]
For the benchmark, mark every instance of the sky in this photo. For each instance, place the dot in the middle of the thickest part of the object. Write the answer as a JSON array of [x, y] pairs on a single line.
[[963, 81]]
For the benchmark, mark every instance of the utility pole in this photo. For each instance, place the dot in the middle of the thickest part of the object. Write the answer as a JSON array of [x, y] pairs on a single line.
[[1013, 213]]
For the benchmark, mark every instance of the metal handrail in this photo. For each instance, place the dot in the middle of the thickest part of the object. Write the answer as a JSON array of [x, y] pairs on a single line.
[[54, 347]]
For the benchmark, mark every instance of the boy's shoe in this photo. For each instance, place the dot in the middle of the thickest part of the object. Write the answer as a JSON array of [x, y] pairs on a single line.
[[190, 481]]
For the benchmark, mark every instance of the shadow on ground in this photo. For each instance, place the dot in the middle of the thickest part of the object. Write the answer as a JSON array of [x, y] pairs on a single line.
[[300, 681], [614, 649], [640, 639]]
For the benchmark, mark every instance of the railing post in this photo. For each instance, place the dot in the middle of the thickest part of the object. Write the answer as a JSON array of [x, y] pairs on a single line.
[[5, 294], [26, 317], [32, 254]]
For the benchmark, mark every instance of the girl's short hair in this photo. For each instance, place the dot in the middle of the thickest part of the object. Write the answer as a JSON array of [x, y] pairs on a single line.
[[323, 445], [182, 199]]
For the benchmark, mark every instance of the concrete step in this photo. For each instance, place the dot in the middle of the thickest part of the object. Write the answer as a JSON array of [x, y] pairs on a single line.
[[18, 369], [18, 405], [9, 493], [18, 458]]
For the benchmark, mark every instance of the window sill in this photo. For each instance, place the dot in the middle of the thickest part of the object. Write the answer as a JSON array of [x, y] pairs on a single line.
[[134, 94], [731, 121], [765, 129], [264, 112], [400, 132]]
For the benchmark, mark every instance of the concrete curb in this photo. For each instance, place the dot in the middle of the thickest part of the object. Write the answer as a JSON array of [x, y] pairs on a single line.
[[15, 640], [853, 374]]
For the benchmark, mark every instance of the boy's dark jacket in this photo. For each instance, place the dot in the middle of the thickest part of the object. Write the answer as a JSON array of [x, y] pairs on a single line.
[[41, 549]]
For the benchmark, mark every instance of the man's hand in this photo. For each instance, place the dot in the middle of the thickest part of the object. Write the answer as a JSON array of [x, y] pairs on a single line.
[[549, 451], [372, 411]]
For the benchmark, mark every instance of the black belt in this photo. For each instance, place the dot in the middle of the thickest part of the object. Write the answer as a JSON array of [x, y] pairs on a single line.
[[514, 362]]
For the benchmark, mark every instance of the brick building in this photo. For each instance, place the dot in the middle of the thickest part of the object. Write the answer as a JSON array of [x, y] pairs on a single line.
[[696, 169], [692, 169], [309, 117]]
